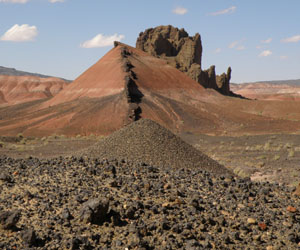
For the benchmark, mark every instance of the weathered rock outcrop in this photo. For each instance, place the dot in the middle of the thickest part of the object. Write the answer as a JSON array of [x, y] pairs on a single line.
[[133, 95], [183, 52], [223, 82], [173, 44]]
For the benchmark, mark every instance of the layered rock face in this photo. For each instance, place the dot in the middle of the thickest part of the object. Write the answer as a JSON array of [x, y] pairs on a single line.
[[183, 52]]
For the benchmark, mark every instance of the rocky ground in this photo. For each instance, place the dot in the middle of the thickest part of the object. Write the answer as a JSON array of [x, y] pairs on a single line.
[[274, 158], [80, 203], [159, 193]]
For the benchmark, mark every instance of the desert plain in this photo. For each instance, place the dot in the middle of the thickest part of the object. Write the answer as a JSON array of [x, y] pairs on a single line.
[[146, 150]]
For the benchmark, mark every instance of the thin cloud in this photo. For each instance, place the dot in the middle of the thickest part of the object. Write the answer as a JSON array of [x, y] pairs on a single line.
[[293, 39], [14, 1], [229, 10], [237, 45], [218, 50], [233, 44], [20, 33], [180, 11], [240, 47], [284, 57], [101, 40], [267, 41], [56, 1], [265, 53]]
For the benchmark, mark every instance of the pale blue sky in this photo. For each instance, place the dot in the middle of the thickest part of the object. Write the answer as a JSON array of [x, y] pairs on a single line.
[[259, 39]]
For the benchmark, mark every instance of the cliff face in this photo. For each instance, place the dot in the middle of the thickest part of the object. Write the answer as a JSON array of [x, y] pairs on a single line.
[[183, 52]]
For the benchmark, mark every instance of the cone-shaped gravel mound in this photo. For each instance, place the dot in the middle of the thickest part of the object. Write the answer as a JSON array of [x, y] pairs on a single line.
[[145, 141]]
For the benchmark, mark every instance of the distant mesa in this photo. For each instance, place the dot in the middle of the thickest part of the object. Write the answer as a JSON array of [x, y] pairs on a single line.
[[185, 53], [285, 90], [13, 72]]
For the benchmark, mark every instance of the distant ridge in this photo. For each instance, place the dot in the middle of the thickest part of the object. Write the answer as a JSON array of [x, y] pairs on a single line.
[[288, 82], [270, 90], [14, 72], [276, 82]]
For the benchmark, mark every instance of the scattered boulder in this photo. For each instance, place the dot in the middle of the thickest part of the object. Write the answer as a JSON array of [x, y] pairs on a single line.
[[291, 209], [9, 219], [185, 53], [94, 211], [78, 243], [29, 237], [297, 191], [5, 178], [66, 215]]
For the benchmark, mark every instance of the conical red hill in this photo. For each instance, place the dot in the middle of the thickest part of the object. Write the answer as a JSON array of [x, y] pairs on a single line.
[[106, 77], [125, 85]]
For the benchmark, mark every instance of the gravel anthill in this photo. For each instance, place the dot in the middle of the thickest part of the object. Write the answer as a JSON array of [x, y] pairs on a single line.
[[147, 141]]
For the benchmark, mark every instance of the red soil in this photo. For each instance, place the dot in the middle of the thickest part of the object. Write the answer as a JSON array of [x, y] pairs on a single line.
[[20, 89]]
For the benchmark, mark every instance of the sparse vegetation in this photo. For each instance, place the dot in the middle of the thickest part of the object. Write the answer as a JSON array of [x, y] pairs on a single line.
[[276, 157], [267, 146], [291, 153]]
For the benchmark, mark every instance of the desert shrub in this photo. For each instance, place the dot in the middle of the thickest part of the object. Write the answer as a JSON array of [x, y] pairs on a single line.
[[291, 153], [23, 141], [262, 157], [260, 164], [240, 172], [276, 157], [288, 145], [297, 149], [267, 146], [277, 149]]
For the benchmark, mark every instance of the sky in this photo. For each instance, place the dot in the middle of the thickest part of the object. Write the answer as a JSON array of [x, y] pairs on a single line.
[[259, 39]]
